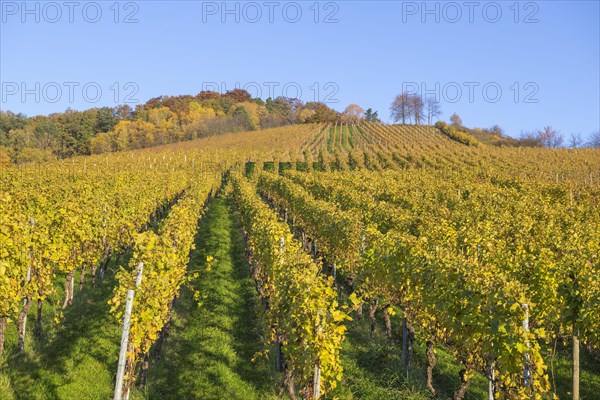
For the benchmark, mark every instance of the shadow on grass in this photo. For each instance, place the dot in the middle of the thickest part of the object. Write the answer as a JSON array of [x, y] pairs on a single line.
[[372, 368], [208, 353], [249, 326], [77, 358]]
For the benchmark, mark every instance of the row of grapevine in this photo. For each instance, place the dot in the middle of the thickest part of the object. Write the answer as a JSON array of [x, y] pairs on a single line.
[[378, 146], [544, 235], [164, 258], [62, 221], [450, 294], [301, 306]]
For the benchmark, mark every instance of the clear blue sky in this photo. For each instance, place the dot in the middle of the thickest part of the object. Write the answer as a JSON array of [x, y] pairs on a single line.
[[543, 56]]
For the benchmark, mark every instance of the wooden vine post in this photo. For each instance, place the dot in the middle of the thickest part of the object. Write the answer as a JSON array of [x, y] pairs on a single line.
[[491, 377], [317, 376], [125, 338], [575, 375], [280, 361], [527, 369], [22, 319]]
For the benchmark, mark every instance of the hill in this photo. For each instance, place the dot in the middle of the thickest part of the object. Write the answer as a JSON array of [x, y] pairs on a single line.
[[318, 260]]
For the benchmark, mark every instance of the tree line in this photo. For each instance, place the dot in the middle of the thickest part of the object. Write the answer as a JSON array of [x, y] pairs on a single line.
[[170, 119], [411, 108], [161, 120]]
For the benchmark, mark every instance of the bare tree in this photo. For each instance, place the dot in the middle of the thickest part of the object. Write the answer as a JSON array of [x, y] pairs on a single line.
[[496, 130], [456, 121], [550, 138], [595, 140], [353, 114], [433, 109], [575, 140], [400, 108], [530, 139], [415, 106]]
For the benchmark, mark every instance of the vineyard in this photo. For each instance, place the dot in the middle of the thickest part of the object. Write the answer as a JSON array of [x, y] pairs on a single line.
[[307, 261]]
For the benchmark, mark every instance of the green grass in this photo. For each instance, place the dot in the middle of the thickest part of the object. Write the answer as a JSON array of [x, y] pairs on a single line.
[[331, 140], [350, 138], [6, 391], [75, 359], [589, 374], [208, 353], [372, 369]]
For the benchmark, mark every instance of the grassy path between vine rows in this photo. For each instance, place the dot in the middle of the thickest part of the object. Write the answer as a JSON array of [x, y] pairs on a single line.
[[208, 354], [209, 350], [372, 368]]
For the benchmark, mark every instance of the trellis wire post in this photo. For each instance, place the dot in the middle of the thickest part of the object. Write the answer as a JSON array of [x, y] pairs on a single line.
[[125, 338], [527, 370]]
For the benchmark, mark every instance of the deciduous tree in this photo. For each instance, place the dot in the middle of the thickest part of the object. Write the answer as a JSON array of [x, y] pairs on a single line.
[[322, 113], [238, 95], [415, 106], [550, 138], [432, 109], [575, 140], [595, 140], [496, 130], [124, 111], [353, 114], [207, 95], [400, 108], [456, 121]]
